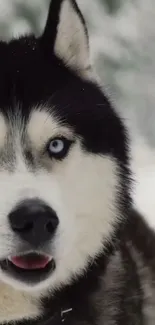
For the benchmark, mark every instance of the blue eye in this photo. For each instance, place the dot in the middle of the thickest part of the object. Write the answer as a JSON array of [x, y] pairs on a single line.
[[58, 147]]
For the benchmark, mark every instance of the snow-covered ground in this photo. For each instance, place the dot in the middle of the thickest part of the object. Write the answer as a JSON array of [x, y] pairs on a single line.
[[122, 46]]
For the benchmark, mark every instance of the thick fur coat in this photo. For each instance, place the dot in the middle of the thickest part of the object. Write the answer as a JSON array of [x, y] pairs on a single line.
[[71, 248]]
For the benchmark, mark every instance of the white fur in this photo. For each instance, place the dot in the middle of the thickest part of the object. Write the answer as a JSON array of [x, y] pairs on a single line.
[[46, 128], [82, 190], [17, 305], [71, 41]]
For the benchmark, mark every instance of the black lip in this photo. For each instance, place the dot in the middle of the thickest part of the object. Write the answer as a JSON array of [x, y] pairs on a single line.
[[27, 276]]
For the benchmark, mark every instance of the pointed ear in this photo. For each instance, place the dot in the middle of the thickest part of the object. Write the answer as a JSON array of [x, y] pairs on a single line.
[[66, 34]]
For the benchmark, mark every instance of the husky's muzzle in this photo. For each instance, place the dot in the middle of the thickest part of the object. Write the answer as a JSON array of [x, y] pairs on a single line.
[[35, 224]]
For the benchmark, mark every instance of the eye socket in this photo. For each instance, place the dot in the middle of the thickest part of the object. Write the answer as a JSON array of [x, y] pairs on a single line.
[[58, 147]]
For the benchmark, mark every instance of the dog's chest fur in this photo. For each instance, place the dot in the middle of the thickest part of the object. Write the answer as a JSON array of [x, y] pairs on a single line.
[[127, 291]]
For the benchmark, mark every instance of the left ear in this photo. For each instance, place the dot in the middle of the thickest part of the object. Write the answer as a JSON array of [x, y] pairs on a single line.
[[66, 34]]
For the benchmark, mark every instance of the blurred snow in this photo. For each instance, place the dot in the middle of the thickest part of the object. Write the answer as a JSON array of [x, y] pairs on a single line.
[[123, 49], [20, 16], [122, 43]]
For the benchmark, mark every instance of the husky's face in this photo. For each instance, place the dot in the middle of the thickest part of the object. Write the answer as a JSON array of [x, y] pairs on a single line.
[[63, 160]]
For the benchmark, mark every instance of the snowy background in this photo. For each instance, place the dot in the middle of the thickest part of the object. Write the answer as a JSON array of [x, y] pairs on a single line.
[[122, 43]]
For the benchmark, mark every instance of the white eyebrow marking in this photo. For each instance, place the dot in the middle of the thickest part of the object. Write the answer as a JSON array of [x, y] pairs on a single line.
[[42, 126]]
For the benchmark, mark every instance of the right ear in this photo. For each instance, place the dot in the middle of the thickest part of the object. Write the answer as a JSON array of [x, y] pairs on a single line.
[[66, 35]]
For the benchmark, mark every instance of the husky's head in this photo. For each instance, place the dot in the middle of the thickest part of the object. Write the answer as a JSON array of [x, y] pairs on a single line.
[[63, 157]]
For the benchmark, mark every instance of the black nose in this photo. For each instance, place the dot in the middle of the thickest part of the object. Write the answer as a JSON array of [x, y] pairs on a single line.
[[34, 221]]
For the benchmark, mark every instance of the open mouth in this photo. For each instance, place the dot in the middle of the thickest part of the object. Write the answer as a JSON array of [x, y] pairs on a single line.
[[30, 268]]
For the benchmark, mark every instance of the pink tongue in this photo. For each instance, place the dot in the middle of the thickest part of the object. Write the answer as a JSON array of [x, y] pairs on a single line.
[[24, 262]]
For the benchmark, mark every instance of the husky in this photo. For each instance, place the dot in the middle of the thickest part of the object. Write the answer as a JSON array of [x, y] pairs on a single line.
[[72, 249]]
